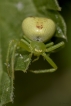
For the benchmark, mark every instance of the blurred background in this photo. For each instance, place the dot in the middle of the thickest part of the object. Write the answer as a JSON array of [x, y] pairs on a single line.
[[48, 89]]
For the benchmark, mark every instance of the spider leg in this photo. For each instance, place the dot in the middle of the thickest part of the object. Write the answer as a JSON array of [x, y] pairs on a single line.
[[11, 57], [36, 59], [28, 40], [24, 44], [13, 60], [50, 61], [55, 47], [49, 44], [8, 56]]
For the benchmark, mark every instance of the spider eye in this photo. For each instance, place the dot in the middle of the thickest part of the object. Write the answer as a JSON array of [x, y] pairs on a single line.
[[38, 29]]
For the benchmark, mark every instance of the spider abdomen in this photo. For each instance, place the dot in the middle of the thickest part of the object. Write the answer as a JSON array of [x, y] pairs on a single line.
[[38, 29]]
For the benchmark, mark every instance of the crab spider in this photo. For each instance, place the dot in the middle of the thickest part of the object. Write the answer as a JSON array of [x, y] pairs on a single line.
[[37, 31]]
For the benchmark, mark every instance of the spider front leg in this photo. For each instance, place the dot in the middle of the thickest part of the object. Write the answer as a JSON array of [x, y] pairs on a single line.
[[50, 61], [11, 58], [55, 46], [49, 44], [11, 54], [8, 55], [25, 38]]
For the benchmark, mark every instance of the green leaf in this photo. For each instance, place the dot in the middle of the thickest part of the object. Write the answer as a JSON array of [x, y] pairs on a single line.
[[48, 4], [6, 84], [12, 14], [23, 59], [60, 24]]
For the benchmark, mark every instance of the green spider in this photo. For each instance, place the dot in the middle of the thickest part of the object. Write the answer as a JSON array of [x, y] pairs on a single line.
[[37, 31]]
